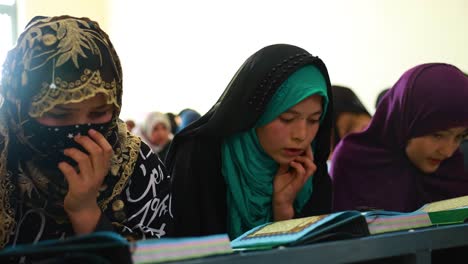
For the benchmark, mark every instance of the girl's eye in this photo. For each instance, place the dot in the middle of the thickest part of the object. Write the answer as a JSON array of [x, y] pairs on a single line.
[[98, 114], [313, 121], [461, 138], [437, 136], [464, 136], [286, 120]]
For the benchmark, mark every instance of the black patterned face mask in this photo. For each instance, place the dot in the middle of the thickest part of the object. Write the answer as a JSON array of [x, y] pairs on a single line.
[[51, 141]]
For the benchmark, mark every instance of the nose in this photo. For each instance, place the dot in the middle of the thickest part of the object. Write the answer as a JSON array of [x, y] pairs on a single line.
[[82, 119], [299, 132]]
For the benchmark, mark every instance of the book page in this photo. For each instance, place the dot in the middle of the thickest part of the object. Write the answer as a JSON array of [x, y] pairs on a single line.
[[446, 204], [286, 227]]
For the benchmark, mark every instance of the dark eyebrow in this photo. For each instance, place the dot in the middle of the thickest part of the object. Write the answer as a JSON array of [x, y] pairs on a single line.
[[102, 107], [72, 109], [64, 108]]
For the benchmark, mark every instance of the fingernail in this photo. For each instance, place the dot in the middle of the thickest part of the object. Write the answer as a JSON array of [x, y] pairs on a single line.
[[77, 136], [92, 131]]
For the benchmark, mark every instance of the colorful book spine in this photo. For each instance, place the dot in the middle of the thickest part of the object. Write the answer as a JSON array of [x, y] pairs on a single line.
[[171, 249], [382, 223]]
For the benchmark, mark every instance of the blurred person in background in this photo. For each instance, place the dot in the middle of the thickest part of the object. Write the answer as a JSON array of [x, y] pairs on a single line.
[[186, 117], [156, 132], [172, 120], [350, 115], [380, 96], [130, 124]]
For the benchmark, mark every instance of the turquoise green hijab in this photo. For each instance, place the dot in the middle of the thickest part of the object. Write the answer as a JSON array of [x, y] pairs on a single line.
[[249, 171]]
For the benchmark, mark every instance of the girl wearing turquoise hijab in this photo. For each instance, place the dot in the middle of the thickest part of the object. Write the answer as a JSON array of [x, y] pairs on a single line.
[[259, 154]]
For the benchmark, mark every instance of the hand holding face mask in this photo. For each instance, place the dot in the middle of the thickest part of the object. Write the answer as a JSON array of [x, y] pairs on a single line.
[[83, 155], [84, 182]]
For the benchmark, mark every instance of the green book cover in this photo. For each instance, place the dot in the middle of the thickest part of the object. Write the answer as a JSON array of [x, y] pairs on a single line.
[[444, 212], [447, 217]]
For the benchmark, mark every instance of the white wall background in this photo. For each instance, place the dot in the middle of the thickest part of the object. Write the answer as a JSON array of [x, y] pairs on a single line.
[[98, 10], [183, 53]]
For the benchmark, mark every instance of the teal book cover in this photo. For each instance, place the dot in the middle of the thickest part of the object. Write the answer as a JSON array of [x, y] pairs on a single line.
[[340, 225], [98, 247]]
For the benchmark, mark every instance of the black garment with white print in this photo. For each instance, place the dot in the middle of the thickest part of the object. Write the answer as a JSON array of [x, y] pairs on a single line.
[[140, 211]]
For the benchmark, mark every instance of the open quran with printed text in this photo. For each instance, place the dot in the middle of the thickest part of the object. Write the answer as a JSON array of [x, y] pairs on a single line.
[[111, 247], [341, 225], [351, 224], [445, 212]]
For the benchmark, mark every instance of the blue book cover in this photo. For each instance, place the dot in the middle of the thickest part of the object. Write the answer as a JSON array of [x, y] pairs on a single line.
[[98, 247], [340, 225]]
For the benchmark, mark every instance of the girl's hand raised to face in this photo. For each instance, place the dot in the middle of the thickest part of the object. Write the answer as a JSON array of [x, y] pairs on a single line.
[[83, 184], [288, 181]]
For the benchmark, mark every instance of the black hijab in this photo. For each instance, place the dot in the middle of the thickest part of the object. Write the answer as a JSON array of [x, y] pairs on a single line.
[[194, 158]]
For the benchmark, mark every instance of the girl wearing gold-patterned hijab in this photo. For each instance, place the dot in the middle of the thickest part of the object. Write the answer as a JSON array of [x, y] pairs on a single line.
[[68, 165]]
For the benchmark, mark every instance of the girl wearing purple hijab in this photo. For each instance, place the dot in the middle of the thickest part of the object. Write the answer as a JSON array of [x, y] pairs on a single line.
[[409, 155]]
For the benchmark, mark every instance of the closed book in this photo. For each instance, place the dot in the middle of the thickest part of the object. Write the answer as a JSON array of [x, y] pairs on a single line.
[[98, 247], [175, 249]]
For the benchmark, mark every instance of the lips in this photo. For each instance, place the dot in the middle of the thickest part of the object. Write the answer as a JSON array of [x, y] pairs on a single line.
[[292, 152], [434, 161]]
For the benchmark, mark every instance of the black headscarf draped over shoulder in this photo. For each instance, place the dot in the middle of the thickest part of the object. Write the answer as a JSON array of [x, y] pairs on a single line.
[[194, 158]]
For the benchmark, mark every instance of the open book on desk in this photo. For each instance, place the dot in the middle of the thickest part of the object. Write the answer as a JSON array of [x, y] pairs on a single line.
[[351, 224], [341, 225], [445, 212]]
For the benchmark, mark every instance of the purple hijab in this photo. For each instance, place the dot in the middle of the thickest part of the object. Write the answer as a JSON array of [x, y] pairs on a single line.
[[371, 170]]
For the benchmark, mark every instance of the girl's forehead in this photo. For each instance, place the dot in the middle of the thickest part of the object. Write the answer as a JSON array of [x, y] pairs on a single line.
[[311, 103]]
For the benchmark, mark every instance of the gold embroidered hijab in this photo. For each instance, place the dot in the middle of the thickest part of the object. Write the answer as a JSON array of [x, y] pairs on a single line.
[[59, 60]]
